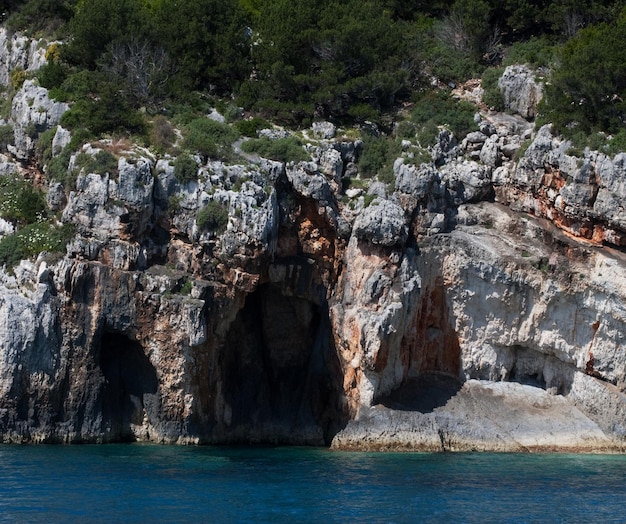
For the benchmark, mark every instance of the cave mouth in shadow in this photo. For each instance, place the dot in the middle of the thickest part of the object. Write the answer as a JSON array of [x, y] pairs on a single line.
[[424, 393], [282, 377], [130, 385]]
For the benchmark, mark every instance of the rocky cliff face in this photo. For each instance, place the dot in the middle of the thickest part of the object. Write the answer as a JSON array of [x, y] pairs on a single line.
[[477, 304]]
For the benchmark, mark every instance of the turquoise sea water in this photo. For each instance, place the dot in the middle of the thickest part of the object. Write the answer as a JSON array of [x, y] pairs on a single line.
[[147, 483]]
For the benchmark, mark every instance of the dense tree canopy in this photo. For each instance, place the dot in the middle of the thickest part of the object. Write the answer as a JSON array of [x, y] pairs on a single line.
[[296, 60], [331, 58], [588, 90]]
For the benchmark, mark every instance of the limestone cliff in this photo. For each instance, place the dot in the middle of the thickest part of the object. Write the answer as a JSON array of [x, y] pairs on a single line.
[[477, 304]]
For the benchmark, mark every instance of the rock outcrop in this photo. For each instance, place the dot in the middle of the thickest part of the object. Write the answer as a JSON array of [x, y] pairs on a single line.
[[475, 304], [521, 92]]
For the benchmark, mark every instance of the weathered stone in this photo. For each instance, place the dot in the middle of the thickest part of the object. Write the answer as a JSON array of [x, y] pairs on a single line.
[[32, 112], [466, 181], [61, 139], [18, 52], [324, 130], [382, 223], [490, 152], [520, 90]]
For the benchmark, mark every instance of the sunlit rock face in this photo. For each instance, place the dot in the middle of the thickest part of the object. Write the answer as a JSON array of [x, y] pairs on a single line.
[[477, 302]]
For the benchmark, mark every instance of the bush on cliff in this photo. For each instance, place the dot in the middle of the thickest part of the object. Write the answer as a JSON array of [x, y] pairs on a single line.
[[33, 239], [21, 203], [209, 138], [438, 108], [288, 149], [185, 168], [324, 57], [212, 217]]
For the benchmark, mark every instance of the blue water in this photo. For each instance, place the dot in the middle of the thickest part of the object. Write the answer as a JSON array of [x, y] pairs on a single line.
[[146, 483]]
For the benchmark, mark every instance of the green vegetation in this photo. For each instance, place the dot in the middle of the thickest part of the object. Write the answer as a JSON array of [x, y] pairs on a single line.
[[209, 138], [212, 217], [6, 136], [437, 108], [377, 157], [103, 162], [186, 288], [135, 66], [288, 149], [185, 168], [32, 239], [162, 135], [21, 203], [25, 207], [492, 96], [252, 126], [587, 91]]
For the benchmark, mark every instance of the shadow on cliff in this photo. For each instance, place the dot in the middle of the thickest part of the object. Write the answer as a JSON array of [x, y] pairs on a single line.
[[130, 386], [282, 377], [424, 393]]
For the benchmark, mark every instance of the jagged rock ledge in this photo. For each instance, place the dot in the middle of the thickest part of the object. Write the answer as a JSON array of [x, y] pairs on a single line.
[[477, 304]]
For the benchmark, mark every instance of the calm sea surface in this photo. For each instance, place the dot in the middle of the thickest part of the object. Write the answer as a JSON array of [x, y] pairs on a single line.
[[147, 483]]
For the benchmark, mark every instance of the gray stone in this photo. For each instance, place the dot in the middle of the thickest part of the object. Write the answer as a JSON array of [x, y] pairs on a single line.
[[382, 223], [490, 152], [466, 181], [32, 112], [324, 130], [61, 139], [520, 90], [17, 51]]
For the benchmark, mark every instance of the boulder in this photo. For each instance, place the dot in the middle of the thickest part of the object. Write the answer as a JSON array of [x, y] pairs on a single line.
[[382, 223], [32, 112], [520, 90]]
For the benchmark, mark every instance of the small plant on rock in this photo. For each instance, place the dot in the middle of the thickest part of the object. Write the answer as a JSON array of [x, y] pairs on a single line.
[[212, 217], [185, 168]]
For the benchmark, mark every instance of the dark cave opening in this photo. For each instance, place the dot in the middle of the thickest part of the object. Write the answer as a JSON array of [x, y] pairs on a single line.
[[282, 377], [130, 385]]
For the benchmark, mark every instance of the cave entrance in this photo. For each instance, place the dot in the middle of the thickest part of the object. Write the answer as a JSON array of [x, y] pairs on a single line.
[[282, 378], [130, 386]]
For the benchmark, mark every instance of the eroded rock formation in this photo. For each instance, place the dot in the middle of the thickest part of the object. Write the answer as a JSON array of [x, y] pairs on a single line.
[[478, 304]]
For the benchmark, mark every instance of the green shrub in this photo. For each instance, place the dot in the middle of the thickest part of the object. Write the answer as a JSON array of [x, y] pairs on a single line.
[[616, 143], [492, 96], [368, 199], [427, 134], [33, 239], [185, 168], [32, 131], [20, 202], [452, 65], [212, 217], [405, 129], [536, 52], [436, 108], [101, 163], [173, 203], [162, 134], [607, 144], [57, 169], [52, 75], [7, 137], [98, 107], [209, 138], [288, 149], [587, 91], [43, 148], [378, 157], [251, 126]]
